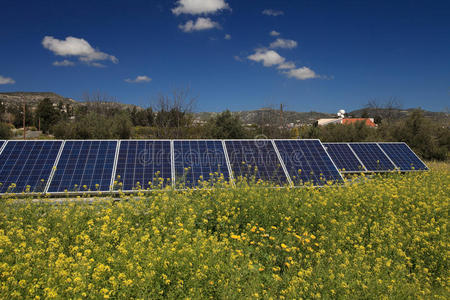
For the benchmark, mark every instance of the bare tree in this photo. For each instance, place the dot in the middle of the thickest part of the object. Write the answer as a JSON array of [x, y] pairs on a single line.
[[388, 111], [101, 103], [174, 112]]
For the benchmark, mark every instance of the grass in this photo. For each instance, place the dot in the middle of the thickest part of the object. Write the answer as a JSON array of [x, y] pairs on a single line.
[[384, 237]]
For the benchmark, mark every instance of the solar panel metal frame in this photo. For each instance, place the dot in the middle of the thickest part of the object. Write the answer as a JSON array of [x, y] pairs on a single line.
[[289, 181], [50, 178], [287, 173], [117, 158], [227, 159], [376, 171], [88, 192], [419, 170], [230, 179], [3, 146], [354, 153], [52, 171]]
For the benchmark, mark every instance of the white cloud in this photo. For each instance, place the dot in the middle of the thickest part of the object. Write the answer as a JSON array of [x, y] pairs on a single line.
[[237, 58], [272, 12], [267, 57], [63, 63], [301, 73], [77, 47], [139, 79], [6, 80], [227, 36], [274, 33], [196, 7], [199, 24], [283, 43], [286, 65], [97, 65]]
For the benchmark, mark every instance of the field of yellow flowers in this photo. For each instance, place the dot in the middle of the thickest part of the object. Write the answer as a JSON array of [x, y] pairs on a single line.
[[383, 237]]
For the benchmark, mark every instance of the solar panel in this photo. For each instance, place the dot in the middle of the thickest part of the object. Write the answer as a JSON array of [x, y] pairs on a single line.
[[1, 143], [343, 157], [27, 165], [306, 161], [255, 159], [403, 157], [143, 165], [84, 166], [199, 160], [372, 157]]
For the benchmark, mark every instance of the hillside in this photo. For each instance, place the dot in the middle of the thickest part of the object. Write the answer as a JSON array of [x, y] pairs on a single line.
[[270, 115], [394, 113], [33, 98]]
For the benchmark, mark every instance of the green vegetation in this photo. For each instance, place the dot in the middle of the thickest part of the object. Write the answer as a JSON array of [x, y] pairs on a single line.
[[378, 238], [99, 117]]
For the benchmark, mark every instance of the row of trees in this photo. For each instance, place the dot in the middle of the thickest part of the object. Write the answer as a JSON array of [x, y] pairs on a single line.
[[100, 117]]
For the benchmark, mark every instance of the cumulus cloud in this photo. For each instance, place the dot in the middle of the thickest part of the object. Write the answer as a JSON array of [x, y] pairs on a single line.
[[272, 12], [286, 65], [283, 43], [139, 79], [227, 36], [6, 80], [63, 63], [199, 24], [196, 7], [267, 57], [76, 47], [274, 33], [302, 73]]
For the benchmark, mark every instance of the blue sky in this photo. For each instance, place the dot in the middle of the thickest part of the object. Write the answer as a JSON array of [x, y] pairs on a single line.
[[237, 55]]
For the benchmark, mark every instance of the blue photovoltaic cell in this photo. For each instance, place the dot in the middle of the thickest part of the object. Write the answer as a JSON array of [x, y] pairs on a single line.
[[372, 157], [143, 165], [1, 143], [343, 157], [27, 163], [84, 166], [402, 156], [255, 159], [199, 160], [306, 161]]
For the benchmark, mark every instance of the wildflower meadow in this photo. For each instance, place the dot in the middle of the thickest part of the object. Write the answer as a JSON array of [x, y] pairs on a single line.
[[374, 237]]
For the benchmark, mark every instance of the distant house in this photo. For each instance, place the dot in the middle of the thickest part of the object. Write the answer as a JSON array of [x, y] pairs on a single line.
[[346, 121]]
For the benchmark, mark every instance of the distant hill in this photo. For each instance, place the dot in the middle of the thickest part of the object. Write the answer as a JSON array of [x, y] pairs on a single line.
[[270, 115], [395, 113], [33, 98]]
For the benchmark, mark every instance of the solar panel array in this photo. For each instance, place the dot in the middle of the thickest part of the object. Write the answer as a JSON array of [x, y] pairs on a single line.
[[373, 158], [25, 166], [84, 166], [143, 165], [130, 165], [403, 157], [255, 160], [199, 160], [344, 157], [307, 161]]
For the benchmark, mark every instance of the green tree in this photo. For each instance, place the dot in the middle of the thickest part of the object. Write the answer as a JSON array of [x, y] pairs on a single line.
[[16, 110], [46, 114], [226, 126], [5, 131]]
